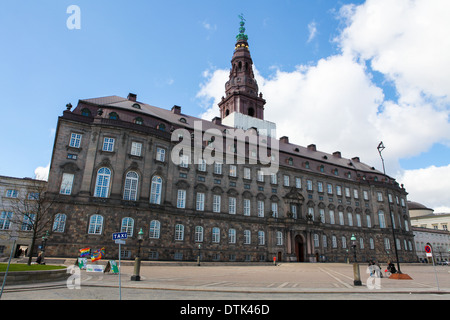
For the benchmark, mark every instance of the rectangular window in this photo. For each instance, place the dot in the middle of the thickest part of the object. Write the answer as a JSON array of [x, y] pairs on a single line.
[[216, 203], [66, 183], [11, 193], [5, 220], [260, 176], [136, 149], [273, 178], [181, 199], [329, 188], [108, 144], [274, 209], [75, 140], [332, 217], [28, 221], [365, 195], [379, 196], [202, 165], [381, 219], [309, 185], [184, 161], [247, 173], [232, 205], [218, 168], [298, 183], [200, 206], [319, 186], [286, 181], [233, 170], [160, 154], [339, 190], [246, 207], [260, 208]]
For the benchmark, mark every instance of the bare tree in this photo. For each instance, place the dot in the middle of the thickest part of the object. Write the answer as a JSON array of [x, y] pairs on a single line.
[[32, 212]]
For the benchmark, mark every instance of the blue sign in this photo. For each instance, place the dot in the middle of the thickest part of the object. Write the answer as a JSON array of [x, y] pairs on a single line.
[[120, 235]]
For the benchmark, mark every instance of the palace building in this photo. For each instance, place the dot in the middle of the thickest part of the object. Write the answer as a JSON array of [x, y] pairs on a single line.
[[114, 169]]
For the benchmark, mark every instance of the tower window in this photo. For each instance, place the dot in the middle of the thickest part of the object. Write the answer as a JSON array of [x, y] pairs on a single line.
[[251, 112]]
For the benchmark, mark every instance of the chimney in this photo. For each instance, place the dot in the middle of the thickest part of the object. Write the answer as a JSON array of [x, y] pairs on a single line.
[[176, 109], [132, 97], [312, 147], [284, 139], [355, 159], [217, 120], [337, 154]]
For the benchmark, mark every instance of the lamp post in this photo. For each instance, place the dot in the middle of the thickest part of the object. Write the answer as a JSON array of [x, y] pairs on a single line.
[[356, 273], [137, 261], [381, 148], [198, 256]]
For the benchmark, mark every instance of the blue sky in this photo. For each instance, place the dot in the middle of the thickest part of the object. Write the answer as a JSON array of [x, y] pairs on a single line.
[[178, 53]]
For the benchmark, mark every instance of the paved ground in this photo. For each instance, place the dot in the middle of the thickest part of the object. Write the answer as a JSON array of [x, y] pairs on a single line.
[[164, 281]]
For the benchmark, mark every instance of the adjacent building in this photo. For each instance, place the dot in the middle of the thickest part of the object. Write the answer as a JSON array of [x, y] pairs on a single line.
[[122, 165]]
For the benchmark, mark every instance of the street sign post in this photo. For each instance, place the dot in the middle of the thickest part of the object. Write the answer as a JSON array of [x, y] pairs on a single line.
[[119, 238], [429, 252]]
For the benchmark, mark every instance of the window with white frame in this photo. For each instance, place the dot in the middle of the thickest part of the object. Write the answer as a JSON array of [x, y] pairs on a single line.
[[365, 195], [286, 180], [59, 223], [279, 238], [322, 215], [232, 205], [66, 183], [233, 170], [387, 244], [95, 224], [334, 241], [246, 207], [200, 203], [358, 220], [261, 238], [316, 240], [201, 165], [12, 193], [231, 235], [344, 242], [371, 244], [260, 208], [347, 192], [324, 241], [309, 185], [184, 161], [260, 176], [368, 221], [215, 235], [331, 213], [127, 226], [198, 234], [155, 191], [131, 186], [311, 213], [160, 154], [179, 232], [181, 199], [294, 210], [355, 193], [350, 219], [108, 144], [273, 178], [339, 190], [216, 203], [341, 218], [75, 140], [298, 183], [247, 173], [361, 243], [320, 186], [247, 237], [275, 209], [381, 219], [136, 149], [379, 196], [5, 220], [218, 168], [329, 188], [102, 183], [155, 229]]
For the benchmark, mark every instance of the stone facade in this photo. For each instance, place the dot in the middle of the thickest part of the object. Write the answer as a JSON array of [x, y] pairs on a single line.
[[107, 166]]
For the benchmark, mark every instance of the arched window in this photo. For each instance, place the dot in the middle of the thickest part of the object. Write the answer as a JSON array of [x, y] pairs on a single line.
[[131, 186], [59, 224], [127, 226], [95, 224], [155, 229], [155, 193], [162, 127], [114, 116], [102, 183], [138, 120]]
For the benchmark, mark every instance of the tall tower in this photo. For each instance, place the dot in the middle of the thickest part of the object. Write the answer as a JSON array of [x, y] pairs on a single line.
[[243, 105]]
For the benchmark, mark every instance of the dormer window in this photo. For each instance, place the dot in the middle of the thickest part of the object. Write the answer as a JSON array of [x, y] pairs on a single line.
[[136, 105], [114, 116], [183, 120], [86, 112], [162, 127], [139, 121]]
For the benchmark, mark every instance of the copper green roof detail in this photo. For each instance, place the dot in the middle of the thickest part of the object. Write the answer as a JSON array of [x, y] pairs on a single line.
[[242, 35]]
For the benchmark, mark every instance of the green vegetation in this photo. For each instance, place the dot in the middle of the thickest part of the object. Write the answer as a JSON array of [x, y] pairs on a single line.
[[24, 267]]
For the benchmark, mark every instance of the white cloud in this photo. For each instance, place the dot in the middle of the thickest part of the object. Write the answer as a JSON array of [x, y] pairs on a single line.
[[429, 186], [335, 102], [312, 29], [41, 173]]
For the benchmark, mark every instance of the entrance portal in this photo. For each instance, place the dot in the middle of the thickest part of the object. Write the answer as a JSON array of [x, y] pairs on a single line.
[[300, 248]]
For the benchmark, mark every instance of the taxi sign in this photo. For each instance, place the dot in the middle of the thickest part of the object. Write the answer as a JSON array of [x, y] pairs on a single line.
[[119, 236]]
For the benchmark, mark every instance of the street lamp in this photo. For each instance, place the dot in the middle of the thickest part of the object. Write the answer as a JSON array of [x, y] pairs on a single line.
[[380, 148], [198, 256], [356, 273], [137, 260]]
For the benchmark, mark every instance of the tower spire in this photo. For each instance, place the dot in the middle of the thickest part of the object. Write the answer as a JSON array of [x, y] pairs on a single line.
[[242, 93]]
